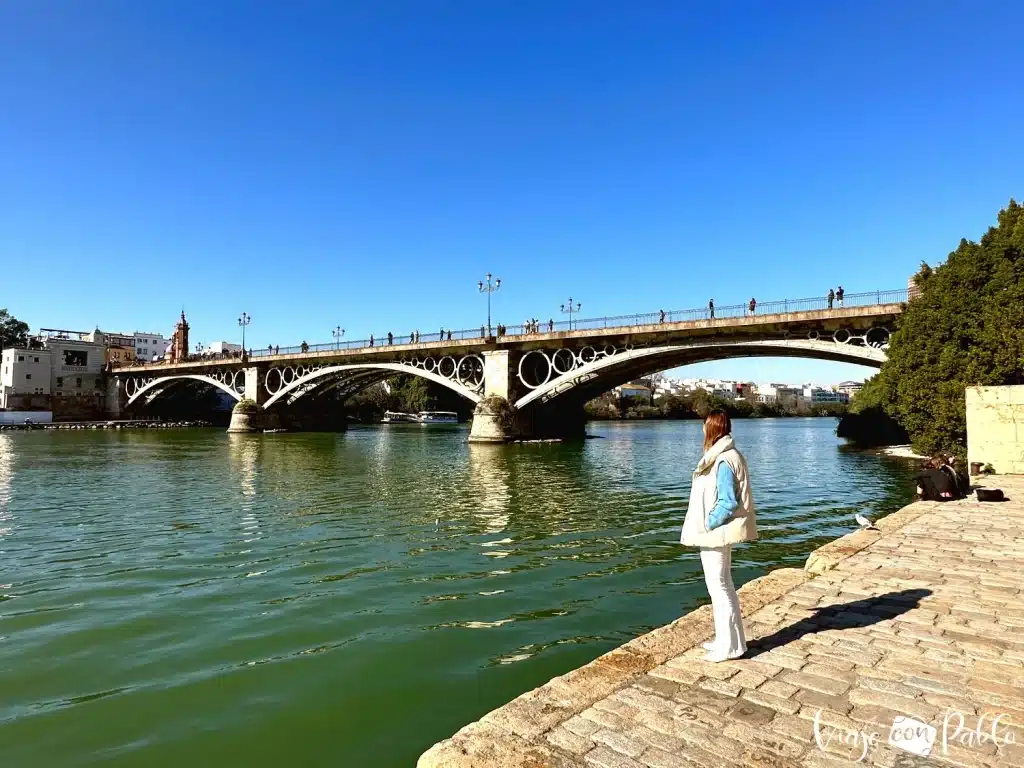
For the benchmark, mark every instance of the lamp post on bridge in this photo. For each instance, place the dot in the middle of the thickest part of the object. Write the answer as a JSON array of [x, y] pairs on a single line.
[[243, 321], [337, 333], [489, 288], [570, 310]]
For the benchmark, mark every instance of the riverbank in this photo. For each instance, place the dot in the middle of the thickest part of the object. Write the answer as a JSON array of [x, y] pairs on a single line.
[[917, 620], [60, 425]]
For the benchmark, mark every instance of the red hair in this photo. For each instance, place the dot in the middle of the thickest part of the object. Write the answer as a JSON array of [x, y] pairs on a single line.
[[716, 426]]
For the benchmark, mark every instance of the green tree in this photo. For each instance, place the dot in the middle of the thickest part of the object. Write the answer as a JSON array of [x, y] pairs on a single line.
[[966, 328], [13, 332]]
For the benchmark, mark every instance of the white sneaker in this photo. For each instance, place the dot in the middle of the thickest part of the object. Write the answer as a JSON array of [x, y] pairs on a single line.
[[717, 656]]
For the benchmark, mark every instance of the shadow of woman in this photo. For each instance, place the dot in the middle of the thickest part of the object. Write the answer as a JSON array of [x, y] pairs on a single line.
[[854, 615]]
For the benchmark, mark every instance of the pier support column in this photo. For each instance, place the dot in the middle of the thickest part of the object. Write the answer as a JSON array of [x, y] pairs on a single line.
[[248, 414], [494, 419], [116, 399]]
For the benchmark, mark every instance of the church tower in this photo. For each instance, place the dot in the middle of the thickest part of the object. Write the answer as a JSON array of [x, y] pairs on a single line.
[[179, 341]]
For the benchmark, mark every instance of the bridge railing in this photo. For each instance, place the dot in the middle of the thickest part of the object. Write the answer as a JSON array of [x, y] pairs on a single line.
[[722, 312]]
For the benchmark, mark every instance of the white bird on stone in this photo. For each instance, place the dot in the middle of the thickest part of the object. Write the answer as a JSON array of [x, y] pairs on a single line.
[[865, 523]]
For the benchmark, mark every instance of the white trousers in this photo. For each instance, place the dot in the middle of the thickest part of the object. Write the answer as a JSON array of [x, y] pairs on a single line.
[[725, 604]]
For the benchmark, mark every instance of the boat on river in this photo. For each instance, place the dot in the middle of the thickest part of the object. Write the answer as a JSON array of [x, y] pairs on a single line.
[[397, 417], [437, 417], [423, 417]]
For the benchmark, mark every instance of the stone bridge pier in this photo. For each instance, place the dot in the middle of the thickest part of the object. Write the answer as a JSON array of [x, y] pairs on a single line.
[[497, 419]]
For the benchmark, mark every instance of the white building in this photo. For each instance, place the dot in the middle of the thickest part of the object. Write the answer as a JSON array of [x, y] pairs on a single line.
[[221, 348], [150, 346], [25, 379], [820, 396], [633, 389], [850, 387]]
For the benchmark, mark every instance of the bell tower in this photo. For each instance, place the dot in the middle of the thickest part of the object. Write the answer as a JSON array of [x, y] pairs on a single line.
[[179, 341]]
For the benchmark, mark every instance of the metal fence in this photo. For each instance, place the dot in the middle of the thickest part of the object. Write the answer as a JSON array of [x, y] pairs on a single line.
[[872, 298]]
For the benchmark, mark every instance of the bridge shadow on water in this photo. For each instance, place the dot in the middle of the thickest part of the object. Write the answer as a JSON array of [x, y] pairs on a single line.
[[853, 615]]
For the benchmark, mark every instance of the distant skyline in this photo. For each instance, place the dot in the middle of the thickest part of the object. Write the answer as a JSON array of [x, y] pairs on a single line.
[[364, 165]]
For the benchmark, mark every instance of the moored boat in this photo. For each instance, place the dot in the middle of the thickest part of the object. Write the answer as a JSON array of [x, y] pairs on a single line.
[[437, 417], [397, 417]]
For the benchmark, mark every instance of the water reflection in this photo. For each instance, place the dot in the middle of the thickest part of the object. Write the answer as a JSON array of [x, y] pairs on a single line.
[[245, 455], [489, 484], [6, 482]]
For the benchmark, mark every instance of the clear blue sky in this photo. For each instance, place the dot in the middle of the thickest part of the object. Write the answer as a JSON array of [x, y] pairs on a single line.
[[364, 164]]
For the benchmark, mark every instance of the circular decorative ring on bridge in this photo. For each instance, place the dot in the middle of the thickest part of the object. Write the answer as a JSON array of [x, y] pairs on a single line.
[[300, 371], [587, 355], [446, 366], [629, 347], [877, 338], [609, 350], [563, 361], [238, 381], [470, 371], [537, 372], [288, 375], [429, 364], [813, 335], [273, 389], [842, 336], [131, 386], [416, 362]]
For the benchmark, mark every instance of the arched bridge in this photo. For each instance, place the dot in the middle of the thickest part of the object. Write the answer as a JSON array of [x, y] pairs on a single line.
[[538, 370]]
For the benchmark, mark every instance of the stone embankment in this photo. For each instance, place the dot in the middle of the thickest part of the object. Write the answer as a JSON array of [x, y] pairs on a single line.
[[61, 425], [921, 620]]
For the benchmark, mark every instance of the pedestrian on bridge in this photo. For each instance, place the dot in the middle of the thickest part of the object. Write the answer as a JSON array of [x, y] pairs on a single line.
[[831, 297], [371, 339], [551, 325], [417, 337], [720, 513], [753, 305], [449, 335], [412, 337], [391, 338], [270, 349], [839, 295], [662, 318], [440, 336], [711, 309], [277, 349]]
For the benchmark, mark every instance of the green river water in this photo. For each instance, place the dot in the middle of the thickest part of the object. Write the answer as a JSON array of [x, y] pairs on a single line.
[[188, 597]]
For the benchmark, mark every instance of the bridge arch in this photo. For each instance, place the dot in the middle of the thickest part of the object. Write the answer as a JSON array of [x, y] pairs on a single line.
[[353, 377], [601, 374], [150, 389]]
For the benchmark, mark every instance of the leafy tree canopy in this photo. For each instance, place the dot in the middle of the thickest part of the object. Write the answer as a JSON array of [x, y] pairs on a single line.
[[965, 329], [13, 332]]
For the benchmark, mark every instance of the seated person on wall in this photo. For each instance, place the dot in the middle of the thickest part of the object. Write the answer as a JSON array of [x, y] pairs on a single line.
[[960, 479], [936, 484]]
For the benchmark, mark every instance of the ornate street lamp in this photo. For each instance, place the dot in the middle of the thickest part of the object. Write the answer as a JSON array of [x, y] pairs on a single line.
[[489, 288], [570, 310], [243, 321], [337, 333]]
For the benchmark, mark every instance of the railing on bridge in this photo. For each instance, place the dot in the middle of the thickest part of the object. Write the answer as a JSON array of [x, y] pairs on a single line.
[[723, 312]]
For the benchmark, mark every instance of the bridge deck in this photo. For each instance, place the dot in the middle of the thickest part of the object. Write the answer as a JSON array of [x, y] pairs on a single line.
[[751, 325]]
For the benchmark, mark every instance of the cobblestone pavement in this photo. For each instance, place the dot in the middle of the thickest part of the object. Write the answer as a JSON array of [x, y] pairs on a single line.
[[921, 620]]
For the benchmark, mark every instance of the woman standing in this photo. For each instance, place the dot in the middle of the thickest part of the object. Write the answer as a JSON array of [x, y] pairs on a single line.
[[720, 514]]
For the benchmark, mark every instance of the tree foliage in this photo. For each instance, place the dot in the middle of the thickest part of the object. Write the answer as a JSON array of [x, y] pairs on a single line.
[[697, 405], [13, 332], [965, 329]]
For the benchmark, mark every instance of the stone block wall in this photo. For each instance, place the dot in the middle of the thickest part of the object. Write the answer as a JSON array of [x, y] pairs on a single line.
[[995, 427]]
